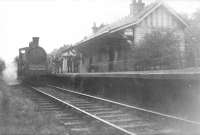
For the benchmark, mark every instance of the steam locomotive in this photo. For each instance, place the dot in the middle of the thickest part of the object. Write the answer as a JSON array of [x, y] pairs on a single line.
[[32, 61]]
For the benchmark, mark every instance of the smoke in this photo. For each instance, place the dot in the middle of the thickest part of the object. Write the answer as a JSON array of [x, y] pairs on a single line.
[[10, 73]]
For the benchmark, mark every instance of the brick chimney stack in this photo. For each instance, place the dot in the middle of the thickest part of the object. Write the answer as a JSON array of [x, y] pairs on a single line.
[[136, 7]]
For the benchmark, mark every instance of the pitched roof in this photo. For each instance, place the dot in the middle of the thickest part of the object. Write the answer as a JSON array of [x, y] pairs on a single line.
[[129, 21]]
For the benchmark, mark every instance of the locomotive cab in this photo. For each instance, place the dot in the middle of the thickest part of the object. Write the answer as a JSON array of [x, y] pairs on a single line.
[[21, 62]]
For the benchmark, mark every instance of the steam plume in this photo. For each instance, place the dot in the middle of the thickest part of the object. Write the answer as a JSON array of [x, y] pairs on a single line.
[[10, 74]]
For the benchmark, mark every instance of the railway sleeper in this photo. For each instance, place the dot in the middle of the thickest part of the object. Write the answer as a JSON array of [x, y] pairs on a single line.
[[45, 103], [149, 130], [129, 122], [114, 116], [81, 103], [62, 115], [74, 123], [67, 119], [134, 125], [108, 112], [98, 110], [89, 107], [162, 132], [77, 100], [47, 106], [124, 120], [40, 100], [49, 109], [81, 131]]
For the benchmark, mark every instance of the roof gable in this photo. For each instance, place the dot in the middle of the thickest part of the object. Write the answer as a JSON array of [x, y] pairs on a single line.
[[148, 11], [173, 12]]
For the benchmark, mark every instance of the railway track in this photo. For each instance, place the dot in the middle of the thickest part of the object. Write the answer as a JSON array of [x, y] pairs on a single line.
[[75, 123], [115, 117]]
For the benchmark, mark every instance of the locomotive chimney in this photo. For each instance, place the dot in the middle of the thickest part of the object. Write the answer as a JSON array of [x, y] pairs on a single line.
[[36, 41]]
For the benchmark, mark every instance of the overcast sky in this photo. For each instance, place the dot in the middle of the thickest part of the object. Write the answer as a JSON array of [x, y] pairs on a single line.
[[59, 22]]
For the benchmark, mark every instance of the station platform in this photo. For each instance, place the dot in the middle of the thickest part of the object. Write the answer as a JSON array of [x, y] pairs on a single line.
[[188, 73]]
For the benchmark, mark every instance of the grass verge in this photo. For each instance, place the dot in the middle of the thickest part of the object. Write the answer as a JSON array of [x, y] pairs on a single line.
[[18, 115]]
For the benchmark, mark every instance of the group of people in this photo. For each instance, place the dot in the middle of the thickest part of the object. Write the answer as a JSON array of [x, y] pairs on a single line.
[[73, 63]]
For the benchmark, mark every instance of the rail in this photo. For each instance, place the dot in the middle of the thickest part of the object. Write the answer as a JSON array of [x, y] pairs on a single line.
[[86, 113], [131, 107]]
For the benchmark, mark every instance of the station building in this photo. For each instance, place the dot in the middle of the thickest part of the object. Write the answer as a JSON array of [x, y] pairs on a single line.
[[108, 49]]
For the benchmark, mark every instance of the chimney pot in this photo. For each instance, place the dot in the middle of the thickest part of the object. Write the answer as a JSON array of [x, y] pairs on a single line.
[[94, 28]]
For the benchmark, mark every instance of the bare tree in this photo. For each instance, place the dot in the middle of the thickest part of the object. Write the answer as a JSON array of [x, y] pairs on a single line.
[[2, 66]]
